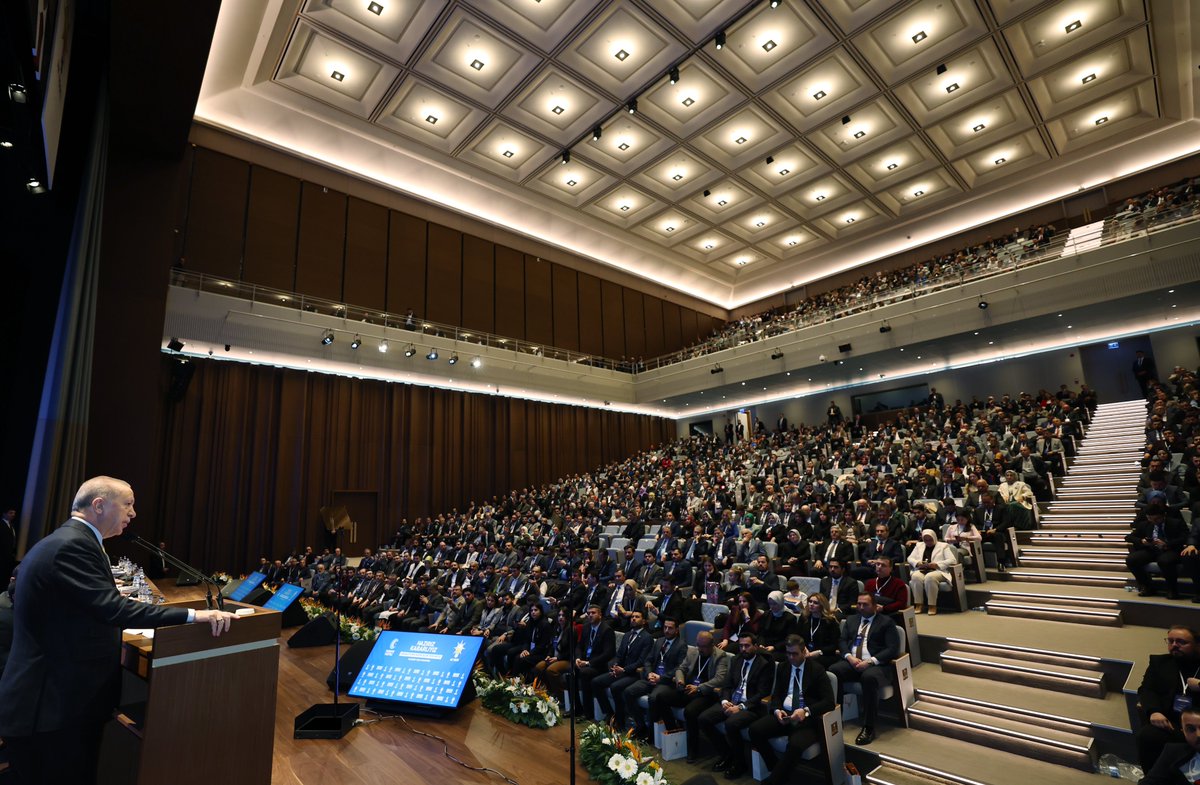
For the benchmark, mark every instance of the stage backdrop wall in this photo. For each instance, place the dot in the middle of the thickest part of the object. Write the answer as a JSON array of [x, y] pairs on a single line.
[[251, 453]]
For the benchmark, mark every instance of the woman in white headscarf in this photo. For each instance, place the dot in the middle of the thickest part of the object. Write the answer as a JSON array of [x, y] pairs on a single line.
[[931, 561]]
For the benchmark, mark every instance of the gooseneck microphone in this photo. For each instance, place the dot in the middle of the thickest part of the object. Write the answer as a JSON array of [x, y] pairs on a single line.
[[182, 566]]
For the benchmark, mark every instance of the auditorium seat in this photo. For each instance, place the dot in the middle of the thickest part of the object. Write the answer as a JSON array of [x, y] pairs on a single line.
[[901, 671], [693, 628], [835, 765]]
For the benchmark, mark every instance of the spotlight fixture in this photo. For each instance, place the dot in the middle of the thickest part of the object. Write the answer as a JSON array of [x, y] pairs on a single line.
[[632, 106], [982, 304], [979, 127], [383, 346], [454, 358], [338, 76], [175, 345], [716, 369], [558, 109], [572, 183], [777, 355], [719, 40], [741, 140], [623, 146], [17, 93], [431, 119], [892, 166], [508, 153], [566, 157], [688, 101], [357, 342], [1101, 120], [410, 350], [433, 355], [35, 186], [375, 8], [769, 45], [919, 37], [1074, 26], [859, 134], [621, 55], [596, 132], [476, 362], [941, 69], [819, 95], [5, 144], [918, 193], [1000, 161], [950, 88], [673, 74], [327, 338], [1089, 78], [885, 328], [477, 64], [775, 3]]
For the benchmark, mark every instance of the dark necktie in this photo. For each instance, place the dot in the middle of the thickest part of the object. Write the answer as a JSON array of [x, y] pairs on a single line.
[[795, 687]]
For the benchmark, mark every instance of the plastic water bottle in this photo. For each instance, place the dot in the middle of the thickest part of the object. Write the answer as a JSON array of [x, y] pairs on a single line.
[[1118, 769]]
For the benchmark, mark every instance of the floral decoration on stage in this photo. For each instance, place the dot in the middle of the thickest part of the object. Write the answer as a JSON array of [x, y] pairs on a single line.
[[222, 578], [516, 701], [352, 631], [613, 758]]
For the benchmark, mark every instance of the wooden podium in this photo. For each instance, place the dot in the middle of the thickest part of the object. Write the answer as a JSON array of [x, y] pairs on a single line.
[[194, 708]]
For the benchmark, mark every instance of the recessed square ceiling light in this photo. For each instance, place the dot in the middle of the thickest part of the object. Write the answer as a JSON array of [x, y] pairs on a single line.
[[850, 220], [375, 8], [625, 207], [1074, 26], [670, 228], [623, 146], [558, 110], [950, 88], [819, 95], [760, 224], [1089, 78], [1101, 120], [708, 246], [859, 134], [979, 127], [572, 183], [741, 140], [783, 172], [621, 55], [892, 166], [477, 64], [769, 45], [722, 202], [1000, 161], [337, 76], [743, 262], [820, 197], [919, 37], [508, 153], [677, 176], [791, 242], [688, 101], [431, 119], [918, 193]]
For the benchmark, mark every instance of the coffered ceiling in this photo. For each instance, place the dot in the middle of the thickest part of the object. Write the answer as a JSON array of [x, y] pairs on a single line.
[[823, 134]]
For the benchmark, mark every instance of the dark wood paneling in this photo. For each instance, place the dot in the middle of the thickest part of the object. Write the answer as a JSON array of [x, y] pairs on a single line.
[[479, 285], [271, 220], [539, 309], [443, 284], [654, 325], [321, 254], [707, 325], [566, 308], [510, 292], [688, 327], [672, 340], [216, 220], [635, 323], [591, 320], [408, 240], [366, 255], [614, 323]]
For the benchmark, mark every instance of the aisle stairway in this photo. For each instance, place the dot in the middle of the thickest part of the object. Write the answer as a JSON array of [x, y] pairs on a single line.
[[1081, 539]]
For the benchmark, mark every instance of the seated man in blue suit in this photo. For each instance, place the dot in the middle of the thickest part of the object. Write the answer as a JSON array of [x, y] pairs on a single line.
[[868, 648]]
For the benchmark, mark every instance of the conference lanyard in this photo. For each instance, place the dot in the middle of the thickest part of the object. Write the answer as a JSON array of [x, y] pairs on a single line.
[[701, 668]]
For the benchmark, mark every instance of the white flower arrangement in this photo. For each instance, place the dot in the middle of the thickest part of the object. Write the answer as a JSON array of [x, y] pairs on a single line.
[[513, 699], [612, 758]]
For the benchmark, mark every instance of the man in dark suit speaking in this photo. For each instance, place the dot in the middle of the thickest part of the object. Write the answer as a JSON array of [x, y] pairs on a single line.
[[62, 679]]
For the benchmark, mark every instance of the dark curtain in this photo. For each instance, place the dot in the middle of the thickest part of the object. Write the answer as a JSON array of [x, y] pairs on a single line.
[[251, 453]]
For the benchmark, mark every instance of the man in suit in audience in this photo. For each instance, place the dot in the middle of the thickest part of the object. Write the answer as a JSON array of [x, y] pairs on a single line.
[[1171, 681], [595, 649], [623, 670], [657, 678], [1179, 763], [1144, 371], [801, 695], [868, 648], [741, 703], [63, 676], [880, 546], [991, 520], [833, 548], [698, 683], [1157, 538], [841, 589]]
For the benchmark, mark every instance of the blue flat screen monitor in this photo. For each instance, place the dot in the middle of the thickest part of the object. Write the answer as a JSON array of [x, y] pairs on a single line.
[[418, 671], [248, 584], [286, 595]]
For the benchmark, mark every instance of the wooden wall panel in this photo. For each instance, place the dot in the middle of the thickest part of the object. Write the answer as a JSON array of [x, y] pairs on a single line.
[[539, 308], [591, 320], [672, 340], [366, 255], [321, 249], [272, 218], [654, 325], [408, 240], [216, 218], [614, 324], [635, 323], [688, 327], [566, 307], [443, 282], [510, 292], [478, 284]]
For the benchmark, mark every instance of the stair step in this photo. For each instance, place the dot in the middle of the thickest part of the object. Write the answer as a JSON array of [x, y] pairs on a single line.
[[1081, 537], [1005, 669], [1069, 600], [1107, 548], [1103, 563], [1069, 615], [1064, 743], [1082, 578], [1090, 526]]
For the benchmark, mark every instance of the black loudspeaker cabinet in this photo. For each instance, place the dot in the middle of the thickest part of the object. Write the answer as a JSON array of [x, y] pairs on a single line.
[[318, 632], [294, 615], [351, 663], [258, 597]]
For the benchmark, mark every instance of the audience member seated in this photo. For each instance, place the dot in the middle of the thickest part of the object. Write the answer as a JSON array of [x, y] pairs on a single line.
[[794, 599], [992, 525], [746, 686], [698, 684], [889, 591], [593, 652], [744, 619], [656, 680], [1156, 539], [1171, 681], [777, 624], [624, 669], [931, 562], [874, 550], [821, 629], [841, 589], [868, 647]]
